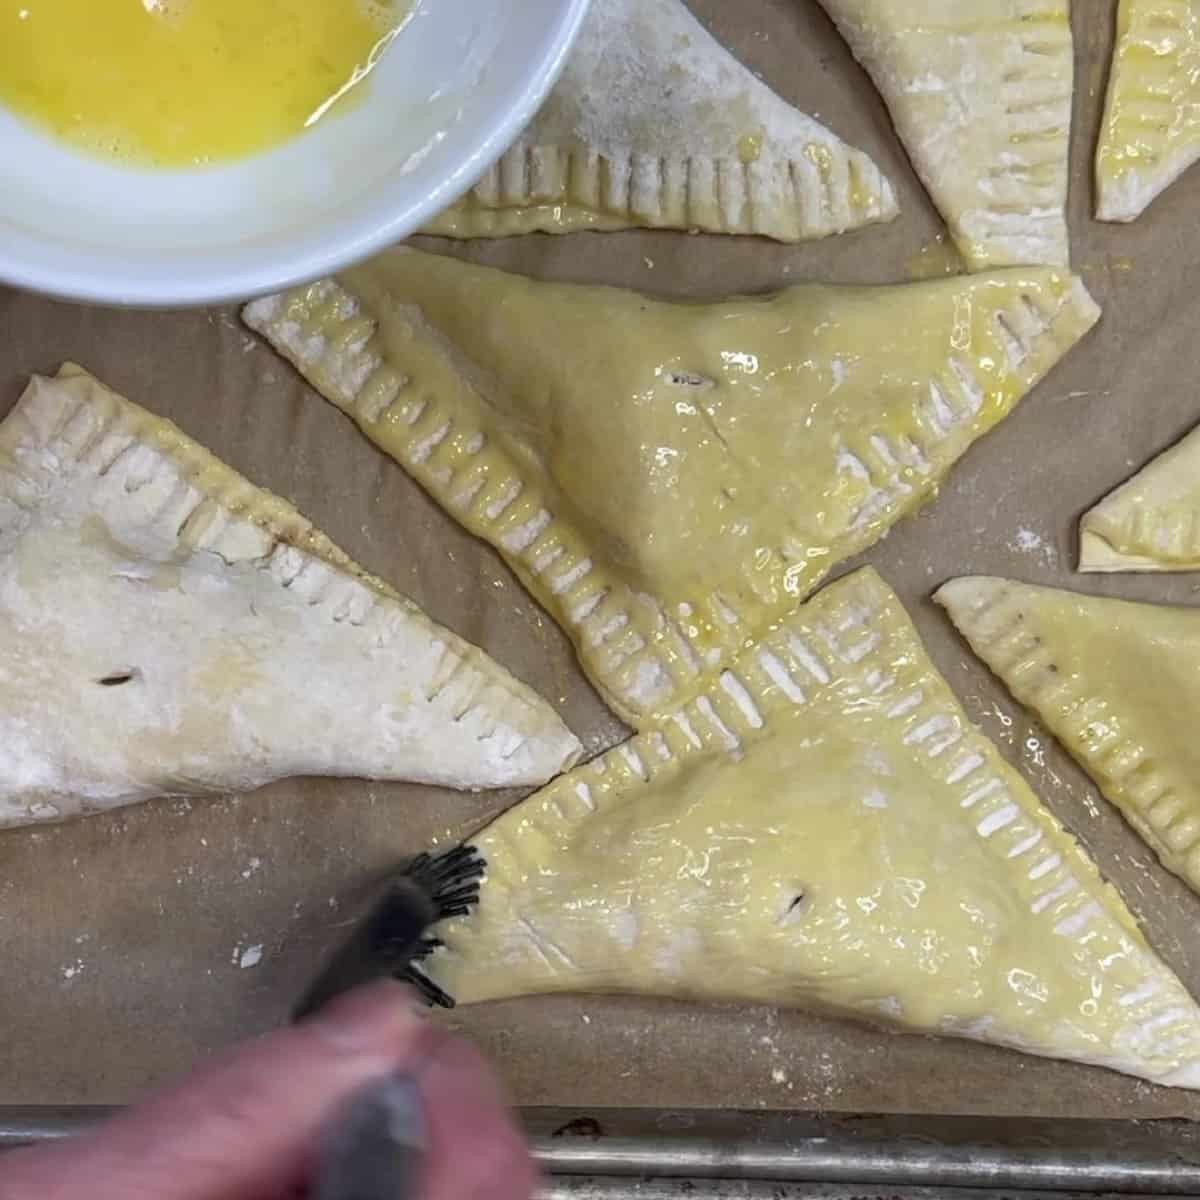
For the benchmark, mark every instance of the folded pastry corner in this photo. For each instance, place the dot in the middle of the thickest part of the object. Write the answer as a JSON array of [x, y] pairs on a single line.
[[980, 94], [1151, 130], [669, 478], [168, 628], [655, 124], [823, 827], [1151, 522], [1116, 682]]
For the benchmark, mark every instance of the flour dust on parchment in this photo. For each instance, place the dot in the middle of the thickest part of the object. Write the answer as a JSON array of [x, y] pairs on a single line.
[[1033, 544]]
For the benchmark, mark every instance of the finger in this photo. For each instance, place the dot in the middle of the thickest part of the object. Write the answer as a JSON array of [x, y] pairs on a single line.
[[476, 1150], [243, 1126]]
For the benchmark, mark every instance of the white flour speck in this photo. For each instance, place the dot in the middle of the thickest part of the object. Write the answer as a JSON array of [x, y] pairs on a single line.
[[74, 969], [250, 957], [1033, 747], [1029, 541], [252, 866], [778, 1075], [826, 1069]]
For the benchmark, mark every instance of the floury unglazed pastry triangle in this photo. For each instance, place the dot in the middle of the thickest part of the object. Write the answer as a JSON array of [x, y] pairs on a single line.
[[1118, 683], [824, 828], [1152, 522], [168, 628], [655, 124], [1151, 131], [669, 478], [980, 92]]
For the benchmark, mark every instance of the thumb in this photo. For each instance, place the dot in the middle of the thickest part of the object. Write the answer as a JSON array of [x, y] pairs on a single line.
[[246, 1126]]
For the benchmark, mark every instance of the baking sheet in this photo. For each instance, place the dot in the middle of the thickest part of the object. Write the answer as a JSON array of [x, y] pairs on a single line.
[[137, 942]]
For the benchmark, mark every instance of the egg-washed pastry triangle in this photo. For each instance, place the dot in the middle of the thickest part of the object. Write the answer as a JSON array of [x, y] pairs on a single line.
[[1151, 130], [655, 124], [980, 93], [168, 628], [1152, 522], [824, 828], [669, 478], [1115, 681]]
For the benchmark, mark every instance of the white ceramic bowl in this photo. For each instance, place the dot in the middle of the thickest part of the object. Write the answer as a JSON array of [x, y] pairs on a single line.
[[451, 94]]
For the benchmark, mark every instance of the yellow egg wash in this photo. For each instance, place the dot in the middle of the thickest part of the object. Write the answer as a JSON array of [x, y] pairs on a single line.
[[179, 83]]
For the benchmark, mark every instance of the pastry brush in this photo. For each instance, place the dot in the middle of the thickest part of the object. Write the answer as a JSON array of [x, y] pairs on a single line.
[[393, 938], [374, 1148]]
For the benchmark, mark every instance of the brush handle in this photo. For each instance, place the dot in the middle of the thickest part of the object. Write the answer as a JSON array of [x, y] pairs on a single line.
[[375, 1148], [382, 945]]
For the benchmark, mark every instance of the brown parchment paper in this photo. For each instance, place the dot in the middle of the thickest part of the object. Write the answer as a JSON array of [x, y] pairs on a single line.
[[126, 941]]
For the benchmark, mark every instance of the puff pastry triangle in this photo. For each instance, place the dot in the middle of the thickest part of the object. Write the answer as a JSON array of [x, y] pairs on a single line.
[[824, 828], [1152, 522], [1151, 130], [668, 478], [980, 92], [1116, 682], [655, 124], [167, 627]]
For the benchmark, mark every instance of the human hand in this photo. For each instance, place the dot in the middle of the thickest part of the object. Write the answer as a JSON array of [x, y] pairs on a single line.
[[247, 1125]]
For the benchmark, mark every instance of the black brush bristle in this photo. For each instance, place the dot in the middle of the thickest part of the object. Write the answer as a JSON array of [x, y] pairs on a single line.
[[451, 882], [396, 933], [429, 991]]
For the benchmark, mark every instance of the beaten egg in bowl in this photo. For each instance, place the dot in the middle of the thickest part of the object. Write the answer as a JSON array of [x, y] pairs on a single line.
[[104, 201], [177, 83]]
